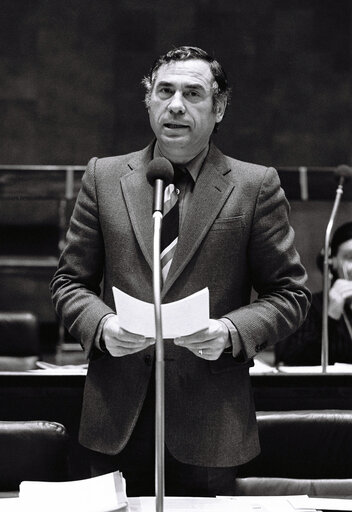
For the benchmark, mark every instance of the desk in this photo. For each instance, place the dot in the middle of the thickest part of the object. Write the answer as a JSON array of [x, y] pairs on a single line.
[[49, 396], [59, 397]]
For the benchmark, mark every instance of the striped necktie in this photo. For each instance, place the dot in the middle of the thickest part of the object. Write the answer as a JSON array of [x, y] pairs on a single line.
[[170, 226]]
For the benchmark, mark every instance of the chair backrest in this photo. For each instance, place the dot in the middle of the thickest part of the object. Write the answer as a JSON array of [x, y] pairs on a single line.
[[32, 450], [19, 340], [301, 451]]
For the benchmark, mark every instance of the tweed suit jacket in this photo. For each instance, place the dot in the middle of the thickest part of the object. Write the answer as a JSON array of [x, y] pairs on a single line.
[[236, 235]]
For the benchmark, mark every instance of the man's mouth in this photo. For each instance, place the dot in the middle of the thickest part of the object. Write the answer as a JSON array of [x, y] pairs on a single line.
[[175, 126]]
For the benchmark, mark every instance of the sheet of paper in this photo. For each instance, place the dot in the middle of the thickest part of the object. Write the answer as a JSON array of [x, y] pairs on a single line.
[[270, 503], [12, 505], [335, 368], [261, 367], [179, 318], [331, 503], [178, 504], [105, 493]]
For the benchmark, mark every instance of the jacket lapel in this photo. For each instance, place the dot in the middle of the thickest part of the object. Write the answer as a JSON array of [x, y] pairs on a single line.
[[138, 195], [210, 193]]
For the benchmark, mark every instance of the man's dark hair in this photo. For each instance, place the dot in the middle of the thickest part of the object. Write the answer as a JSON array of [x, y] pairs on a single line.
[[221, 92], [342, 234]]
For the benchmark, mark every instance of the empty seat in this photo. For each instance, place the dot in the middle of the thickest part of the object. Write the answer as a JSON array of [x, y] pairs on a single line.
[[302, 452], [32, 450], [19, 341]]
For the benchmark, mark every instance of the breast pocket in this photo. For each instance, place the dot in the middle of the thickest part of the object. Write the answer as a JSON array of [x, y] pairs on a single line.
[[228, 223]]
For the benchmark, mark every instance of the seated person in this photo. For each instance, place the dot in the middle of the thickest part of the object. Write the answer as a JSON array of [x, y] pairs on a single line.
[[304, 346]]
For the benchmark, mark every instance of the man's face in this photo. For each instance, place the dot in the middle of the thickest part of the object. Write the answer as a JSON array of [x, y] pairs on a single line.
[[343, 262], [181, 108]]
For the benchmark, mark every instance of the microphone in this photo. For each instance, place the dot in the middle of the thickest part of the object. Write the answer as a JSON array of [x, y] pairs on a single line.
[[160, 174], [343, 172]]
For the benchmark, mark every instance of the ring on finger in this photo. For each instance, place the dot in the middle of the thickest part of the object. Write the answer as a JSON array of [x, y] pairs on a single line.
[[200, 352]]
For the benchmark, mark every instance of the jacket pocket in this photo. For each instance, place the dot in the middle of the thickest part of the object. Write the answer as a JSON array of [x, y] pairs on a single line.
[[227, 223]]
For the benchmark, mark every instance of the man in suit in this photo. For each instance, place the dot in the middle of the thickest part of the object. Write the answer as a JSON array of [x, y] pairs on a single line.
[[234, 234]]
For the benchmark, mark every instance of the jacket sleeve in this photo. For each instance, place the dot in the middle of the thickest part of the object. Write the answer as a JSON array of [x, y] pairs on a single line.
[[75, 286], [278, 276]]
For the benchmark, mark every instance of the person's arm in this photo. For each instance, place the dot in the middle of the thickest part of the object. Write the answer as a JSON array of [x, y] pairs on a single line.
[[277, 274], [339, 293], [76, 284], [278, 278]]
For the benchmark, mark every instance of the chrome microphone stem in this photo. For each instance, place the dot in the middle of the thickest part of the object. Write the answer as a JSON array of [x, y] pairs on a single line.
[[326, 278], [159, 369]]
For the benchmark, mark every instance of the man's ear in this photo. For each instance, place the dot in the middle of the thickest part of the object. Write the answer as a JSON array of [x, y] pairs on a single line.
[[220, 110]]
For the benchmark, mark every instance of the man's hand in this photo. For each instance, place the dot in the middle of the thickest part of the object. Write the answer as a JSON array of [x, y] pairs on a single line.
[[340, 291], [120, 342], [208, 343]]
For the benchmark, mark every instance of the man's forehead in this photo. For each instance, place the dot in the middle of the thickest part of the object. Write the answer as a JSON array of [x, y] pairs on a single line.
[[192, 70], [345, 247]]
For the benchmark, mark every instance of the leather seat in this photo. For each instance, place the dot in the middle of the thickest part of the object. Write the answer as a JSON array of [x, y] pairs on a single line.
[[32, 450], [302, 452], [19, 341]]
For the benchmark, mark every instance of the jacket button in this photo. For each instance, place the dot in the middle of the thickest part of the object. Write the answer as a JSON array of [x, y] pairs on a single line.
[[148, 360], [257, 348]]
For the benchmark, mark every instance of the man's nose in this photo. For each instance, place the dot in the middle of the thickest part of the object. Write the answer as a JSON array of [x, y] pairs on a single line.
[[176, 105]]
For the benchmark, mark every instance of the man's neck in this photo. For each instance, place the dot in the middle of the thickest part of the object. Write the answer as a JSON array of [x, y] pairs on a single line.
[[180, 159], [193, 165]]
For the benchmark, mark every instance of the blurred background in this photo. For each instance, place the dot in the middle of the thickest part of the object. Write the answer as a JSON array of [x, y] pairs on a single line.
[[70, 89]]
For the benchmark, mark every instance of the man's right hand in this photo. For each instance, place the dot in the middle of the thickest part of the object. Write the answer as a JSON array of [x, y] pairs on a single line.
[[340, 291], [119, 342]]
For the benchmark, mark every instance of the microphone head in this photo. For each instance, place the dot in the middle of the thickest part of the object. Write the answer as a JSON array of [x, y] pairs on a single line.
[[344, 171], [160, 169]]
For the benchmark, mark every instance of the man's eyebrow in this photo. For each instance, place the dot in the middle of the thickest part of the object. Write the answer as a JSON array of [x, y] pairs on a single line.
[[195, 86], [164, 83]]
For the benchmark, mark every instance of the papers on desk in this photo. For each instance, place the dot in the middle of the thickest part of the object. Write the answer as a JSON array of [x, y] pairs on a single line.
[[334, 368], [242, 504], [45, 368], [226, 504], [93, 497], [106, 493], [261, 367], [179, 318]]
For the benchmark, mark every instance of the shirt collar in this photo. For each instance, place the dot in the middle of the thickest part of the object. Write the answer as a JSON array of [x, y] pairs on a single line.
[[193, 166]]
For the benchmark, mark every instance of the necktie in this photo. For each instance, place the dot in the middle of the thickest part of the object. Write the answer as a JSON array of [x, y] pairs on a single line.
[[170, 226]]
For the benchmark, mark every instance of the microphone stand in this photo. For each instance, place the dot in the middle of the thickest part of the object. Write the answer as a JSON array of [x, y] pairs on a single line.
[[159, 369], [326, 278]]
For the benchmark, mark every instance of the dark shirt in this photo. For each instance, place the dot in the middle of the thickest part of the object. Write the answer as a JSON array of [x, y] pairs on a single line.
[[303, 348]]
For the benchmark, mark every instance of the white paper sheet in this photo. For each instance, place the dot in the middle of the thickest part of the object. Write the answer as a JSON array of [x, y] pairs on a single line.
[[105, 493], [338, 368], [12, 505], [271, 503], [179, 318], [225, 504], [331, 503], [179, 504]]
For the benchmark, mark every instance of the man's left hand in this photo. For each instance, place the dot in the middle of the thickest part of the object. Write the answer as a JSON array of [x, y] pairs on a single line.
[[208, 343]]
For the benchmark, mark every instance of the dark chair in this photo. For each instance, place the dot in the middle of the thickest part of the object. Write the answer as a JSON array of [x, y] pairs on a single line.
[[32, 450], [19, 341], [302, 452]]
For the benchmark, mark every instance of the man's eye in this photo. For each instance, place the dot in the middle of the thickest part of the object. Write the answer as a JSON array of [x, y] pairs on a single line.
[[192, 94], [165, 92]]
